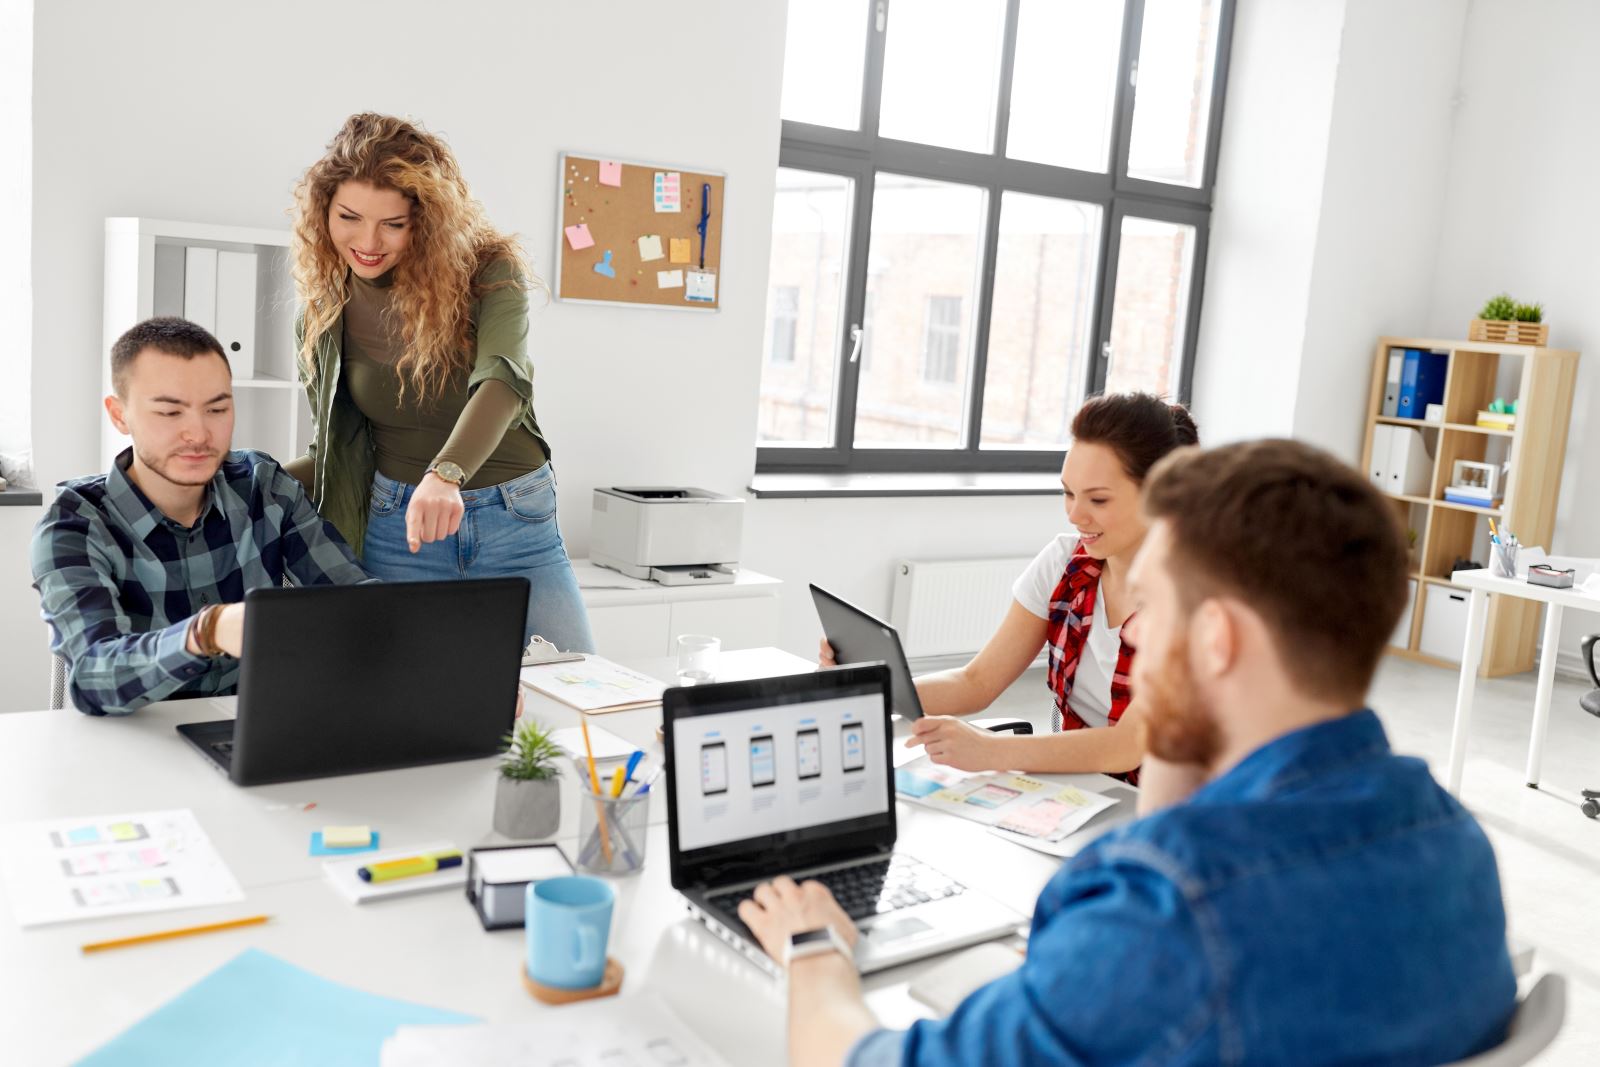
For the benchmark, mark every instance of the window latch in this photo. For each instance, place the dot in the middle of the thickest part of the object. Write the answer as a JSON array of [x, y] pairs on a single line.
[[1105, 354], [883, 15], [855, 342]]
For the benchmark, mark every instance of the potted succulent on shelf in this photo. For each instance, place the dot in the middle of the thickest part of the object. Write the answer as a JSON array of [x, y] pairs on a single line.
[[1506, 321], [527, 797]]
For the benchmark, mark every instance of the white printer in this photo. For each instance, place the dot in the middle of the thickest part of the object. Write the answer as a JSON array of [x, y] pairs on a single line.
[[668, 535]]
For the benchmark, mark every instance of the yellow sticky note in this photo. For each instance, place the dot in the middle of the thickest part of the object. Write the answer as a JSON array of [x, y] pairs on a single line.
[[680, 249], [649, 247], [1026, 785]]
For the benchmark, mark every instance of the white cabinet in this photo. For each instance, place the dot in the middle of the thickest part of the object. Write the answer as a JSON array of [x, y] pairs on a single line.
[[205, 273], [634, 619]]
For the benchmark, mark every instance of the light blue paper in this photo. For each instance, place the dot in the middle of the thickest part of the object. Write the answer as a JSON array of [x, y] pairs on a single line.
[[257, 1010]]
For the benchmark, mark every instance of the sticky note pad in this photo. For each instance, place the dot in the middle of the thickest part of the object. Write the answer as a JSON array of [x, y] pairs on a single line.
[[649, 247], [669, 279], [321, 848], [346, 836], [578, 236], [610, 173], [680, 249]]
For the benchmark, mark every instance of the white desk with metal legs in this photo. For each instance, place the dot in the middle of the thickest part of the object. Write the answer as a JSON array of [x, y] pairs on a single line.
[[1482, 584], [430, 949]]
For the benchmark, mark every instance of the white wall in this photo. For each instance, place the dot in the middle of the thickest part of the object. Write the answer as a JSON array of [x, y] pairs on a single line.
[[16, 172], [1381, 213], [1273, 153], [1519, 215]]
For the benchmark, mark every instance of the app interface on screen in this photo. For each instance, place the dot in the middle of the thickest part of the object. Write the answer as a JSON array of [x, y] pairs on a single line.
[[808, 753], [853, 757], [713, 769], [762, 771], [763, 761]]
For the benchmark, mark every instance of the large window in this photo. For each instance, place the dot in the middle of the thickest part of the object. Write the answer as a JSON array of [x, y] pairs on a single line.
[[986, 211]]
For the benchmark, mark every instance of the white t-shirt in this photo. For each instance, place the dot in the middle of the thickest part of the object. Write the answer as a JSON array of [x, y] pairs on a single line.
[[1091, 685]]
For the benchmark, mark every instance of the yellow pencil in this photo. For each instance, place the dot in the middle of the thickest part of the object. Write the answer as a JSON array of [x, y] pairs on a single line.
[[594, 781], [182, 931], [616, 783], [1495, 533]]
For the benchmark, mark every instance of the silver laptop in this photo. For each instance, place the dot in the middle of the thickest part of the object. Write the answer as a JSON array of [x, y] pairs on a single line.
[[792, 776]]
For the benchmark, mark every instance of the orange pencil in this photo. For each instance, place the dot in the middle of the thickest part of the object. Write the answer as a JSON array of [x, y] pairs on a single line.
[[594, 780], [166, 935]]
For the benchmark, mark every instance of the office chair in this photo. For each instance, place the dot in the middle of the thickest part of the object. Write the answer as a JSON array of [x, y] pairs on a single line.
[[1590, 702], [58, 683], [1534, 1025]]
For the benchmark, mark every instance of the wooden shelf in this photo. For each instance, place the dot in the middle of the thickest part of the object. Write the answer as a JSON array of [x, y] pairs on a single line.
[[1476, 374]]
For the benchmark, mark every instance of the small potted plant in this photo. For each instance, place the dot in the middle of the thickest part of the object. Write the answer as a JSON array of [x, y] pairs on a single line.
[[1504, 320], [527, 797]]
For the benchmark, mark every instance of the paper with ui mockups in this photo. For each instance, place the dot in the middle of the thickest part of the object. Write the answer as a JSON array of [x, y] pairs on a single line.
[[669, 279], [606, 744], [257, 1010], [629, 1031], [578, 236], [611, 173], [669, 197], [343, 873], [680, 250], [595, 685], [650, 247], [702, 286], [58, 870], [1021, 807]]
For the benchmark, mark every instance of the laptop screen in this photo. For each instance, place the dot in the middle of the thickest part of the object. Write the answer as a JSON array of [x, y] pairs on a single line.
[[778, 764]]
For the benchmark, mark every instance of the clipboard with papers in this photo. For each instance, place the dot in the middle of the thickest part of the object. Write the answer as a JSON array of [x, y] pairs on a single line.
[[594, 685]]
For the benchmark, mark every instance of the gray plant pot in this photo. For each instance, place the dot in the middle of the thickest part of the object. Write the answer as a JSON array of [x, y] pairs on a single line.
[[526, 809]]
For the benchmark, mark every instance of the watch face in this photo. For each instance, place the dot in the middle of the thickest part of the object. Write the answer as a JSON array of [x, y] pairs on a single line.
[[450, 472], [809, 937]]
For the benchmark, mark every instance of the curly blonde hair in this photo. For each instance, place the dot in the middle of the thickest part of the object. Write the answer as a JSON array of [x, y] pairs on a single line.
[[437, 279]]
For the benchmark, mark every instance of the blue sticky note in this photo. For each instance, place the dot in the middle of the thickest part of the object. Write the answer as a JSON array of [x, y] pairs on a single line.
[[914, 785], [84, 835], [257, 1010], [319, 849], [604, 266]]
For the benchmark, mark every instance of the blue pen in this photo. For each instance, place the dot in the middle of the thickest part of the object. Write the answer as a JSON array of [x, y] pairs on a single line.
[[633, 761], [705, 214]]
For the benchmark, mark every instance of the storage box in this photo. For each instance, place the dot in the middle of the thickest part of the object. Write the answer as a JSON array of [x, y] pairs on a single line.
[[1444, 622], [1516, 333], [498, 877]]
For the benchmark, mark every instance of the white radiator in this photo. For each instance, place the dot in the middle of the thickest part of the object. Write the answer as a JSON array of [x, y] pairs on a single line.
[[951, 607]]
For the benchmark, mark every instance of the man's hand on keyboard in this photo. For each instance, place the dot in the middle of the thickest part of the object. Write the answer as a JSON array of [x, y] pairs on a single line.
[[780, 908]]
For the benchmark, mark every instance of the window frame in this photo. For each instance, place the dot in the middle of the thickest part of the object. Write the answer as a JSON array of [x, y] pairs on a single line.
[[860, 154]]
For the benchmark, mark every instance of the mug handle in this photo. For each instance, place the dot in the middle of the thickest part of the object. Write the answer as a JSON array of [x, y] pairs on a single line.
[[586, 947]]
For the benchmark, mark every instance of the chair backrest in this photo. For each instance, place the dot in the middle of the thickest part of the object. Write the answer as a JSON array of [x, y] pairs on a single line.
[[1537, 1020], [58, 682]]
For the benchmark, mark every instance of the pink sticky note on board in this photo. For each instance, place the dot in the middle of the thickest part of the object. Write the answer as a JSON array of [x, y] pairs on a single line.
[[610, 173], [578, 237]]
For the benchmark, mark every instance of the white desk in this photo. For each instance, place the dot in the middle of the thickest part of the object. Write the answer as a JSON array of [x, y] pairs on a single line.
[[1482, 583], [635, 620], [59, 1004]]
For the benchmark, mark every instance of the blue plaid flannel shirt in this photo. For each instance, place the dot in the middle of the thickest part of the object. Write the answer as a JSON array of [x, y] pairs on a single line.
[[119, 581]]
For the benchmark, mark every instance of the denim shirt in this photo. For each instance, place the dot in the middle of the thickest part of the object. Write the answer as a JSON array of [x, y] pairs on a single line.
[[1322, 902]]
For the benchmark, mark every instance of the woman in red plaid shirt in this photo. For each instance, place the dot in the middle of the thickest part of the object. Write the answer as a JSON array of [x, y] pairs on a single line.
[[1073, 600]]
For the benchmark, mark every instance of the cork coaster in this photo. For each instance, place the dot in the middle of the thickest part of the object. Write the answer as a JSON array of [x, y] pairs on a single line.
[[610, 985]]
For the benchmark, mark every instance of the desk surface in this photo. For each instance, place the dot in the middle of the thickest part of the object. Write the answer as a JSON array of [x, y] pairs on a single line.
[[429, 948], [1518, 587]]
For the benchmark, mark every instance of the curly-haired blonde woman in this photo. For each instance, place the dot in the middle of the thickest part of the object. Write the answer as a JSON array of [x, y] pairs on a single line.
[[413, 344]]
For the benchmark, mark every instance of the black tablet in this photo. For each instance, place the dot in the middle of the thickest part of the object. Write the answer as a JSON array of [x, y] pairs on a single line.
[[857, 637]]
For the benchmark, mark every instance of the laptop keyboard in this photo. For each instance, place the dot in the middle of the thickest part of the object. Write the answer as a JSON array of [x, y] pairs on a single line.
[[866, 889], [224, 747]]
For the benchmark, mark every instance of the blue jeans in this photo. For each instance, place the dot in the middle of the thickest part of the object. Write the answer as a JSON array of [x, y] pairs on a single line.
[[507, 530]]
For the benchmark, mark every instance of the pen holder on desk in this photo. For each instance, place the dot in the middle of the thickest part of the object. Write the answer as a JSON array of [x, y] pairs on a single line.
[[1503, 560], [612, 832]]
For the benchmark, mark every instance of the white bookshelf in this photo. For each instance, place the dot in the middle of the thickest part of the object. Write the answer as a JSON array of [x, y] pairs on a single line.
[[271, 410]]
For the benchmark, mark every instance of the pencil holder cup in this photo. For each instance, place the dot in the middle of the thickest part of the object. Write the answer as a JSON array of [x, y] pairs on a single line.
[[1503, 560], [612, 833]]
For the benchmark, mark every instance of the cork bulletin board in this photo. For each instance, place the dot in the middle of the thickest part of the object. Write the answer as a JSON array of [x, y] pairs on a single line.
[[629, 233]]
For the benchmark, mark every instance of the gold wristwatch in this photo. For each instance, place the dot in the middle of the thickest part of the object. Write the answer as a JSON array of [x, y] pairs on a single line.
[[450, 472]]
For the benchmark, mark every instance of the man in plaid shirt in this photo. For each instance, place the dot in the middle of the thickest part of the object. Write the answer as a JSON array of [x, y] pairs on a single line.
[[142, 571]]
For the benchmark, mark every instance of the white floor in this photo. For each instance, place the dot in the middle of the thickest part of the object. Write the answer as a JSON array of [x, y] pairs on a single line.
[[1549, 853]]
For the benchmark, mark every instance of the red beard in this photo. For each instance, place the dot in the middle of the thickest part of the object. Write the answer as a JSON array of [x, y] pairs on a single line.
[[1179, 727]]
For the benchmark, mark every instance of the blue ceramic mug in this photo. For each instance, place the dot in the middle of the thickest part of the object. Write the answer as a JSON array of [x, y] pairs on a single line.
[[568, 923]]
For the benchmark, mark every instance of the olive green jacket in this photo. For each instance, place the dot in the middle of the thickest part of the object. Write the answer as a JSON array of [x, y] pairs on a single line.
[[341, 453]]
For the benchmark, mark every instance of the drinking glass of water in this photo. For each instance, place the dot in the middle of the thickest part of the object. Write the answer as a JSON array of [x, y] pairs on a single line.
[[697, 658]]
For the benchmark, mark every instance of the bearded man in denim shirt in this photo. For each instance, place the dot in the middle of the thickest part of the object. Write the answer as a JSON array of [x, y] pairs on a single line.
[[1302, 894]]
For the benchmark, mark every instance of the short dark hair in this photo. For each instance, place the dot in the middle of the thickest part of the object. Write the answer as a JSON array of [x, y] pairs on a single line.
[[1139, 427], [164, 333], [1303, 539]]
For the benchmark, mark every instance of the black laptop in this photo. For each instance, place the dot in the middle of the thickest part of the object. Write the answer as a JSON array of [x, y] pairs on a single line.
[[792, 776], [344, 679]]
